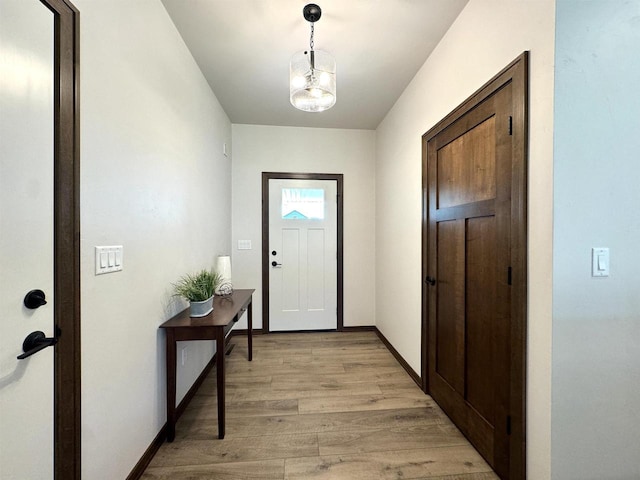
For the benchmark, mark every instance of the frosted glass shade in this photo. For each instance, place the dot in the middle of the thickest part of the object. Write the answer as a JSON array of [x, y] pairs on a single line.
[[223, 267], [312, 89]]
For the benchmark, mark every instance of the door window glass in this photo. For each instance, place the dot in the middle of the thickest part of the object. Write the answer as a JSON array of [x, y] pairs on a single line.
[[302, 204]]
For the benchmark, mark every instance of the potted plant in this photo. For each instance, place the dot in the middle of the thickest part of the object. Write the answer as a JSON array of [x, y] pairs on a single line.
[[198, 289]]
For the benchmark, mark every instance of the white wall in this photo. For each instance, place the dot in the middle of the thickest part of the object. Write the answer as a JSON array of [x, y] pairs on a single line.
[[596, 321], [258, 149], [486, 37], [153, 179]]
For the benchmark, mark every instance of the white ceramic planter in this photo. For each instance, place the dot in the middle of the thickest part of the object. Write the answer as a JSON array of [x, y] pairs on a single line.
[[201, 309]]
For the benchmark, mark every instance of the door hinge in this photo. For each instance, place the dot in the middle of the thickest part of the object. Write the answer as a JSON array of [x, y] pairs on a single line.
[[510, 125], [509, 276], [508, 424]]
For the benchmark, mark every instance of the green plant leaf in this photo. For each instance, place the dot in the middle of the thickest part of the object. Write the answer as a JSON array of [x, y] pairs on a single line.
[[197, 287]]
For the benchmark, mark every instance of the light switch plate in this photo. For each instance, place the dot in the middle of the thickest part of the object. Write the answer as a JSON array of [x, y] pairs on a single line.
[[244, 244], [109, 259], [599, 262]]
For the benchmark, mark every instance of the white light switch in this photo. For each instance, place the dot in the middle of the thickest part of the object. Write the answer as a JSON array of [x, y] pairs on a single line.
[[244, 244], [599, 262], [109, 259]]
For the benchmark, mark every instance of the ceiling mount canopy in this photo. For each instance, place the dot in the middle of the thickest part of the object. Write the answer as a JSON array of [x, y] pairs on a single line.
[[311, 12], [312, 73]]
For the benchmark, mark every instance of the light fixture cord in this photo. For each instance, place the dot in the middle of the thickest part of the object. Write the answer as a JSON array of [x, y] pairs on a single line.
[[311, 39]]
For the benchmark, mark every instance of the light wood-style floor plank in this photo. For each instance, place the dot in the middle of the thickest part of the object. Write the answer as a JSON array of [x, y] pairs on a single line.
[[267, 447], [301, 381], [467, 476], [205, 406], [325, 422], [262, 470], [292, 368], [367, 441], [391, 465], [359, 403], [316, 406], [320, 390]]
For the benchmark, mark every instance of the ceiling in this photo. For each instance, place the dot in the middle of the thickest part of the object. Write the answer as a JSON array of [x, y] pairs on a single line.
[[243, 48]]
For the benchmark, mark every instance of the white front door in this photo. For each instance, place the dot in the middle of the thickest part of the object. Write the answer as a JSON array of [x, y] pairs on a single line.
[[26, 236], [303, 245]]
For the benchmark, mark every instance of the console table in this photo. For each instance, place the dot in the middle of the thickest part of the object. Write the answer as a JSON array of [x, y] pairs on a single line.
[[215, 326]]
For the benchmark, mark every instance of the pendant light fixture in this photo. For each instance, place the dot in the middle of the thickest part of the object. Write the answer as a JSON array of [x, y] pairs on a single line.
[[312, 73]]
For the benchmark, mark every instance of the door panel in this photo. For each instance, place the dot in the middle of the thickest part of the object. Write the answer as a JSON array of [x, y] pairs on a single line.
[[474, 180], [303, 271], [288, 282], [26, 239], [450, 324], [316, 270], [480, 301]]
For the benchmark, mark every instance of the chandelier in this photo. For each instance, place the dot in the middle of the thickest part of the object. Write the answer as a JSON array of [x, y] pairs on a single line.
[[312, 73]]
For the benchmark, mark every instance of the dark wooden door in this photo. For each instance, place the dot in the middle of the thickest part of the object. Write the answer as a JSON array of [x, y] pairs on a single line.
[[470, 217]]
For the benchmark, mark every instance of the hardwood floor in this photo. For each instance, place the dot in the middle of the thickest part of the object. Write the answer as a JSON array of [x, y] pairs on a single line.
[[317, 406]]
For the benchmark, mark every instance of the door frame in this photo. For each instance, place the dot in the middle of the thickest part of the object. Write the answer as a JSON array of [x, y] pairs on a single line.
[[67, 413], [266, 176], [516, 74]]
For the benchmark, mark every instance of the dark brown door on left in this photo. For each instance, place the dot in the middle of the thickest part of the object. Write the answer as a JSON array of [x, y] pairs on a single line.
[[470, 217]]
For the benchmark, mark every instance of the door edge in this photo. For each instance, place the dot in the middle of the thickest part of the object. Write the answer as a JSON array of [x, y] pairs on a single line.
[[67, 375]]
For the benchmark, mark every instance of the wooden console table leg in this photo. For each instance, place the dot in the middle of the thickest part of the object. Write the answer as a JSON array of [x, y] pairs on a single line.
[[250, 328], [220, 379], [171, 384]]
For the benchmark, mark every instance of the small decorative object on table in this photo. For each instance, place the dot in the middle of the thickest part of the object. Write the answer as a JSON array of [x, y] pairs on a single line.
[[198, 289], [223, 268]]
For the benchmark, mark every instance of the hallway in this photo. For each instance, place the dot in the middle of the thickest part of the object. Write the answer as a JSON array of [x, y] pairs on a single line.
[[317, 406]]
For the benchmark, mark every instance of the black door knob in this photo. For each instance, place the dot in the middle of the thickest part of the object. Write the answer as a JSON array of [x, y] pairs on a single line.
[[275, 264], [430, 280], [34, 299]]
